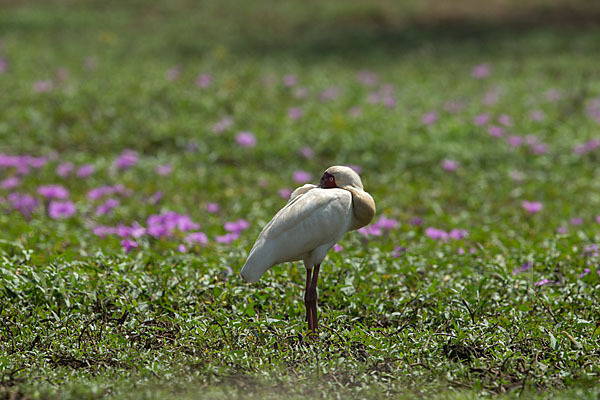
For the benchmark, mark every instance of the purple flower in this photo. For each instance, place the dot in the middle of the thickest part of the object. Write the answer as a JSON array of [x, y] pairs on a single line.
[[585, 272], [586, 147], [531, 207], [563, 230], [290, 80], [65, 169], [525, 267], [164, 169], [203, 81], [307, 152], [481, 119], [173, 73], [23, 203], [285, 193], [337, 248], [127, 159], [85, 170], [245, 139], [224, 123], [53, 192], [449, 165], [99, 192], [367, 78], [300, 176], [505, 120], [416, 221], [294, 113], [495, 130], [386, 223], [598, 219], [514, 140], [212, 208], [61, 209], [10, 183], [553, 95], [429, 118], [356, 168], [457, 234], [370, 230], [539, 148], [436, 234], [237, 226], [481, 71], [398, 251], [544, 282], [128, 244], [165, 224], [491, 97], [537, 115], [197, 238], [227, 238], [107, 206], [181, 248], [591, 250], [576, 221], [156, 197], [330, 93], [42, 86], [103, 231]]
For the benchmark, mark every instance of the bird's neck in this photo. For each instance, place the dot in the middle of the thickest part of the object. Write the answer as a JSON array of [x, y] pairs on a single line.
[[363, 207]]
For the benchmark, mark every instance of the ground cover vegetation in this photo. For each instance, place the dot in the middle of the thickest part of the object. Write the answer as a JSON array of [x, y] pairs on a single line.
[[144, 146]]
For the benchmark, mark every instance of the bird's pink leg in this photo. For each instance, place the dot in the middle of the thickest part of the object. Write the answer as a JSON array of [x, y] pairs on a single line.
[[312, 295], [307, 302]]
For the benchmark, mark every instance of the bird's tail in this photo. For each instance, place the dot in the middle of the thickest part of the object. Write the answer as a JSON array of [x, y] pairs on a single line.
[[256, 265]]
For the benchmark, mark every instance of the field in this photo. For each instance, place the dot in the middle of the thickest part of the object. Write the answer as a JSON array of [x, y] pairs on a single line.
[[144, 145]]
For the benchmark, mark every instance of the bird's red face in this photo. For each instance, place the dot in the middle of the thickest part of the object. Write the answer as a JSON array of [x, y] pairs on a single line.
[[327, 181]]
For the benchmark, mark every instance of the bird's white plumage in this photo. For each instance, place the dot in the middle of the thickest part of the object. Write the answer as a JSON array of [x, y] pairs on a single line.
[[312, 221]]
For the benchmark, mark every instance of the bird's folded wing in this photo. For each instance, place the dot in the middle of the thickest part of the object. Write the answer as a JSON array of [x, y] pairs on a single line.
[[300, 191], [303, 207]]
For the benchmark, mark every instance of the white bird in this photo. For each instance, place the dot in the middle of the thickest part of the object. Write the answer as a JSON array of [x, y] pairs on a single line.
[[312, 221]]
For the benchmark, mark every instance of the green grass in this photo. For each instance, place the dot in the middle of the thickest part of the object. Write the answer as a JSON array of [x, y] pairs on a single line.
[[80, 318]]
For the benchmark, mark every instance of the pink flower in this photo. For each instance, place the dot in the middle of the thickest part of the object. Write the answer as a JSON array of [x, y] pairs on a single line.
[[491, 97], [173, 73], [576, 221], [481, 71], [128, 244], [107, 206], [164, 169], [370, 230], [103, 231], [197, 238], [449, 165], [10, 183], [481, 119], [290, 80], [64, 169], [553, 95], [227, 238], [539, 148], [367, 78], [85, 170], [42, 86], [531, 207], [563, 230], [537, 115], [398, 251], [181, 248], [212, 208], [514, 140], [505, 120], [61, 209], [356, 168], [330, 93], [544, 282], [386, 223], [245, 139], [586, 271], [495, 130], [429, 118], [307, 152], [436, 234], [337, 248], [285, 193], [237, 226], [224, 123], [127, 159], [23, 203], [300, 176], [294, 113], [53, 192], [525, 267], [457, 234], [598, 219], [203, 81]]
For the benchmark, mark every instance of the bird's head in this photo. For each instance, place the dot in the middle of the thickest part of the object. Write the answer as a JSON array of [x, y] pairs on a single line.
[[340, 177]]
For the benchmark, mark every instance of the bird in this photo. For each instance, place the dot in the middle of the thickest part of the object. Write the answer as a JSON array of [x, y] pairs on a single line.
[[312, 221]]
